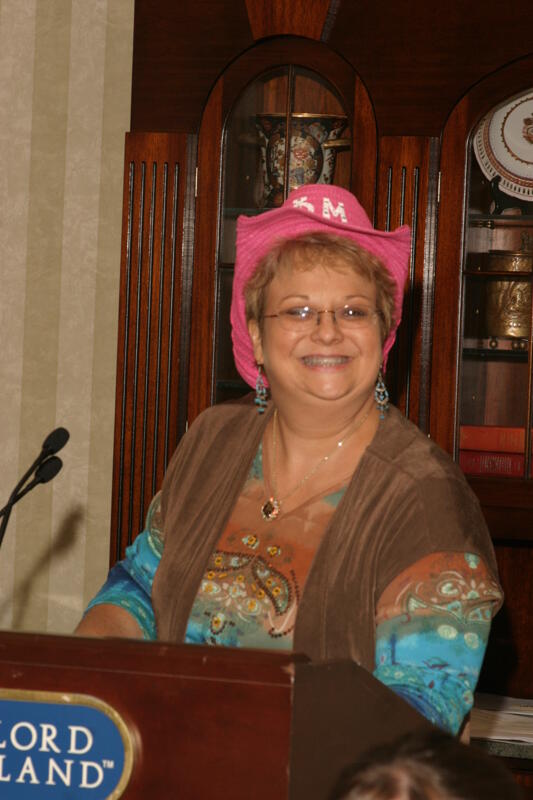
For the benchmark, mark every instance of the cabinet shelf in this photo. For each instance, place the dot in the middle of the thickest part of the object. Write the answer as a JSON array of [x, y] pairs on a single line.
[[491, 346], [479, 354], [505, 274], [500, 220]]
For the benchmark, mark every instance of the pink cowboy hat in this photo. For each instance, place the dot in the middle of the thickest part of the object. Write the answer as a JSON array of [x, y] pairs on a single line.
[[311, 208]]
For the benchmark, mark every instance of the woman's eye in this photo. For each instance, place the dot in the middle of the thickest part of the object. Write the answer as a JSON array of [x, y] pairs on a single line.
[[355, 312], [300, 313]]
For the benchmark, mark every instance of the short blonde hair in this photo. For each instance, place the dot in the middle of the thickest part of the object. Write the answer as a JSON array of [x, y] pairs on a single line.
[[327, 250]]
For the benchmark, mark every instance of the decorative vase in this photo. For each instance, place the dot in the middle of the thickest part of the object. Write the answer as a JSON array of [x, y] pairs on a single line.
[[508, 302], [313, 142]]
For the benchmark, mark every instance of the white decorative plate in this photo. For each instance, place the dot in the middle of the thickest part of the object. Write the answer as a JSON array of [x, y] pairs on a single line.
[[503, 144]]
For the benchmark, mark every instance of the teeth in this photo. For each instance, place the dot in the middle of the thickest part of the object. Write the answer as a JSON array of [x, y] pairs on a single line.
[[324, 361]]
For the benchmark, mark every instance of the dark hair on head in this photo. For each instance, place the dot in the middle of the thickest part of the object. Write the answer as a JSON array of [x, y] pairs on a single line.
[[326, 250], [427, 766]]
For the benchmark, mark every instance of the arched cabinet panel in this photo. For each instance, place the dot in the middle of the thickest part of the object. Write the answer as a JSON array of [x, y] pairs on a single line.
[[451, 239], [473, 356], [284, 84]]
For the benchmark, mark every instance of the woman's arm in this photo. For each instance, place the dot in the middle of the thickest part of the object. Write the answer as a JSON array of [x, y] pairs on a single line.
[[109, 620], [123, 606], [433, 623]]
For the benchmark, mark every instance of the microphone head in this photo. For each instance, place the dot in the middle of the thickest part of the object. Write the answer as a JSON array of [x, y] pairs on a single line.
[[48, 469], [55, 441]]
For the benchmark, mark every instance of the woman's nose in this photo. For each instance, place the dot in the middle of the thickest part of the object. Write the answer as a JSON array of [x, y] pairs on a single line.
[[326, 328]]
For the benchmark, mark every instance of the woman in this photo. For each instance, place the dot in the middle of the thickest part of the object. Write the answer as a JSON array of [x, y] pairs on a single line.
[[327, 524]]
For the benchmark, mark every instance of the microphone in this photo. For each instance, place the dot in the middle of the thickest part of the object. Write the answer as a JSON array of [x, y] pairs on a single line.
[[44, 473], [52, 444]]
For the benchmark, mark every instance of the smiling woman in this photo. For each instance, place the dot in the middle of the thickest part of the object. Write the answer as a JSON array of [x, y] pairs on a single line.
[[326, 523], [324, 323]]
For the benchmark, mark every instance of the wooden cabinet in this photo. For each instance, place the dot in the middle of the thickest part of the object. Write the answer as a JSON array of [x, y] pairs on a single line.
[[412, 95], [481, 363]]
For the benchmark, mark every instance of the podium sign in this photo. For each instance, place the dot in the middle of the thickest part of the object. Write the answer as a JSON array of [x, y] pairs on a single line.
[[51, 741], [195, 722]]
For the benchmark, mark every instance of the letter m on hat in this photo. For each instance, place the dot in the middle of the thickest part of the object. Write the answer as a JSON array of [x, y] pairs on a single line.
[[329, 210]]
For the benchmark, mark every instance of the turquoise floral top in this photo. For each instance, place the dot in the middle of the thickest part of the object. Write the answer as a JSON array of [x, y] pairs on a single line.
[[432, 621]]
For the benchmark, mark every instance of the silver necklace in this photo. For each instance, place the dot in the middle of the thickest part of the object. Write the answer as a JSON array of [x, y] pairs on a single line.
[[271, 508]]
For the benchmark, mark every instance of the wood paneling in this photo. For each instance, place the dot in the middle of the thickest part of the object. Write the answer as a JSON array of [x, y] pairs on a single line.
[[364, 149], [415, 65], [155, 238], [406, 195], [203, 288], [179, 51], [277, 17]]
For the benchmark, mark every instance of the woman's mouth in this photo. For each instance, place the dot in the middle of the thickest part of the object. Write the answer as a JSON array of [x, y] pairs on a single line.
[[325, 361]]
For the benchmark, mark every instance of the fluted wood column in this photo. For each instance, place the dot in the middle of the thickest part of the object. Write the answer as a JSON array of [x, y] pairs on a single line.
[[154, 318], [407, 194]]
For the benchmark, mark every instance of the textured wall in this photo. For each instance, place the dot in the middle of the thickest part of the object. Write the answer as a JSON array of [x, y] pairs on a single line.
[[65, 85]]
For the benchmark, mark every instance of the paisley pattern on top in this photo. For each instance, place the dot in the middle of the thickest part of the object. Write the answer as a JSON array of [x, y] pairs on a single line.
[[432, 627], [251, 588]]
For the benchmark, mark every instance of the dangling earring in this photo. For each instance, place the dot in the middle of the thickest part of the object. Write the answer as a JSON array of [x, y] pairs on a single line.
[[381, 395], [260, 391]]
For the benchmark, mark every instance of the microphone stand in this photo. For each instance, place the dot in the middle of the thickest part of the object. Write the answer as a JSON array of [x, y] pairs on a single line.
[[11, 501], [53, 442], [44, 473]]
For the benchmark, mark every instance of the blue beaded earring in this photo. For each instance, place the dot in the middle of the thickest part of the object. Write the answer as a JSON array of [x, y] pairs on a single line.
[[381, 395], [260, 391]]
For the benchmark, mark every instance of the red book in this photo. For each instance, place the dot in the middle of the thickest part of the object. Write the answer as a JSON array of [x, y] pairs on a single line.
[[492, 438], [507, 465]]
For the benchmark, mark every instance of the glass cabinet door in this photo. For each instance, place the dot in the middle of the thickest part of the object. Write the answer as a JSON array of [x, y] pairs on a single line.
[[494, 430], [259, 169]]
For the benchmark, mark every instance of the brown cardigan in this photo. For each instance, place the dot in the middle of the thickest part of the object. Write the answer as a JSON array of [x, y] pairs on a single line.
[[406, 499]]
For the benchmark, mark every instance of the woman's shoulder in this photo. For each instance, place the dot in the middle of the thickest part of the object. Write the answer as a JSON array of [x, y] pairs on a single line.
[[423, 491], [217, 431], [241, 409], [401, 443]]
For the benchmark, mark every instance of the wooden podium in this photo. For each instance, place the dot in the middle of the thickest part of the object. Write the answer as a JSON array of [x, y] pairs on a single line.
[[217, 722]]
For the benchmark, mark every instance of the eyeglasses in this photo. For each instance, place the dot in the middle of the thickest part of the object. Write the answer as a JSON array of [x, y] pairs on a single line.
[[304, 318]]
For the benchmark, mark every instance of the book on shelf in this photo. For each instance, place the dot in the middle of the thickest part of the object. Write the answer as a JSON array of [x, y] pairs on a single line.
[[505, 719], [480, 462], [492, 438]]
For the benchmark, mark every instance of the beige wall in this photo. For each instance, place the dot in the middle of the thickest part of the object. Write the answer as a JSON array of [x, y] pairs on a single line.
[[65, 84]]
